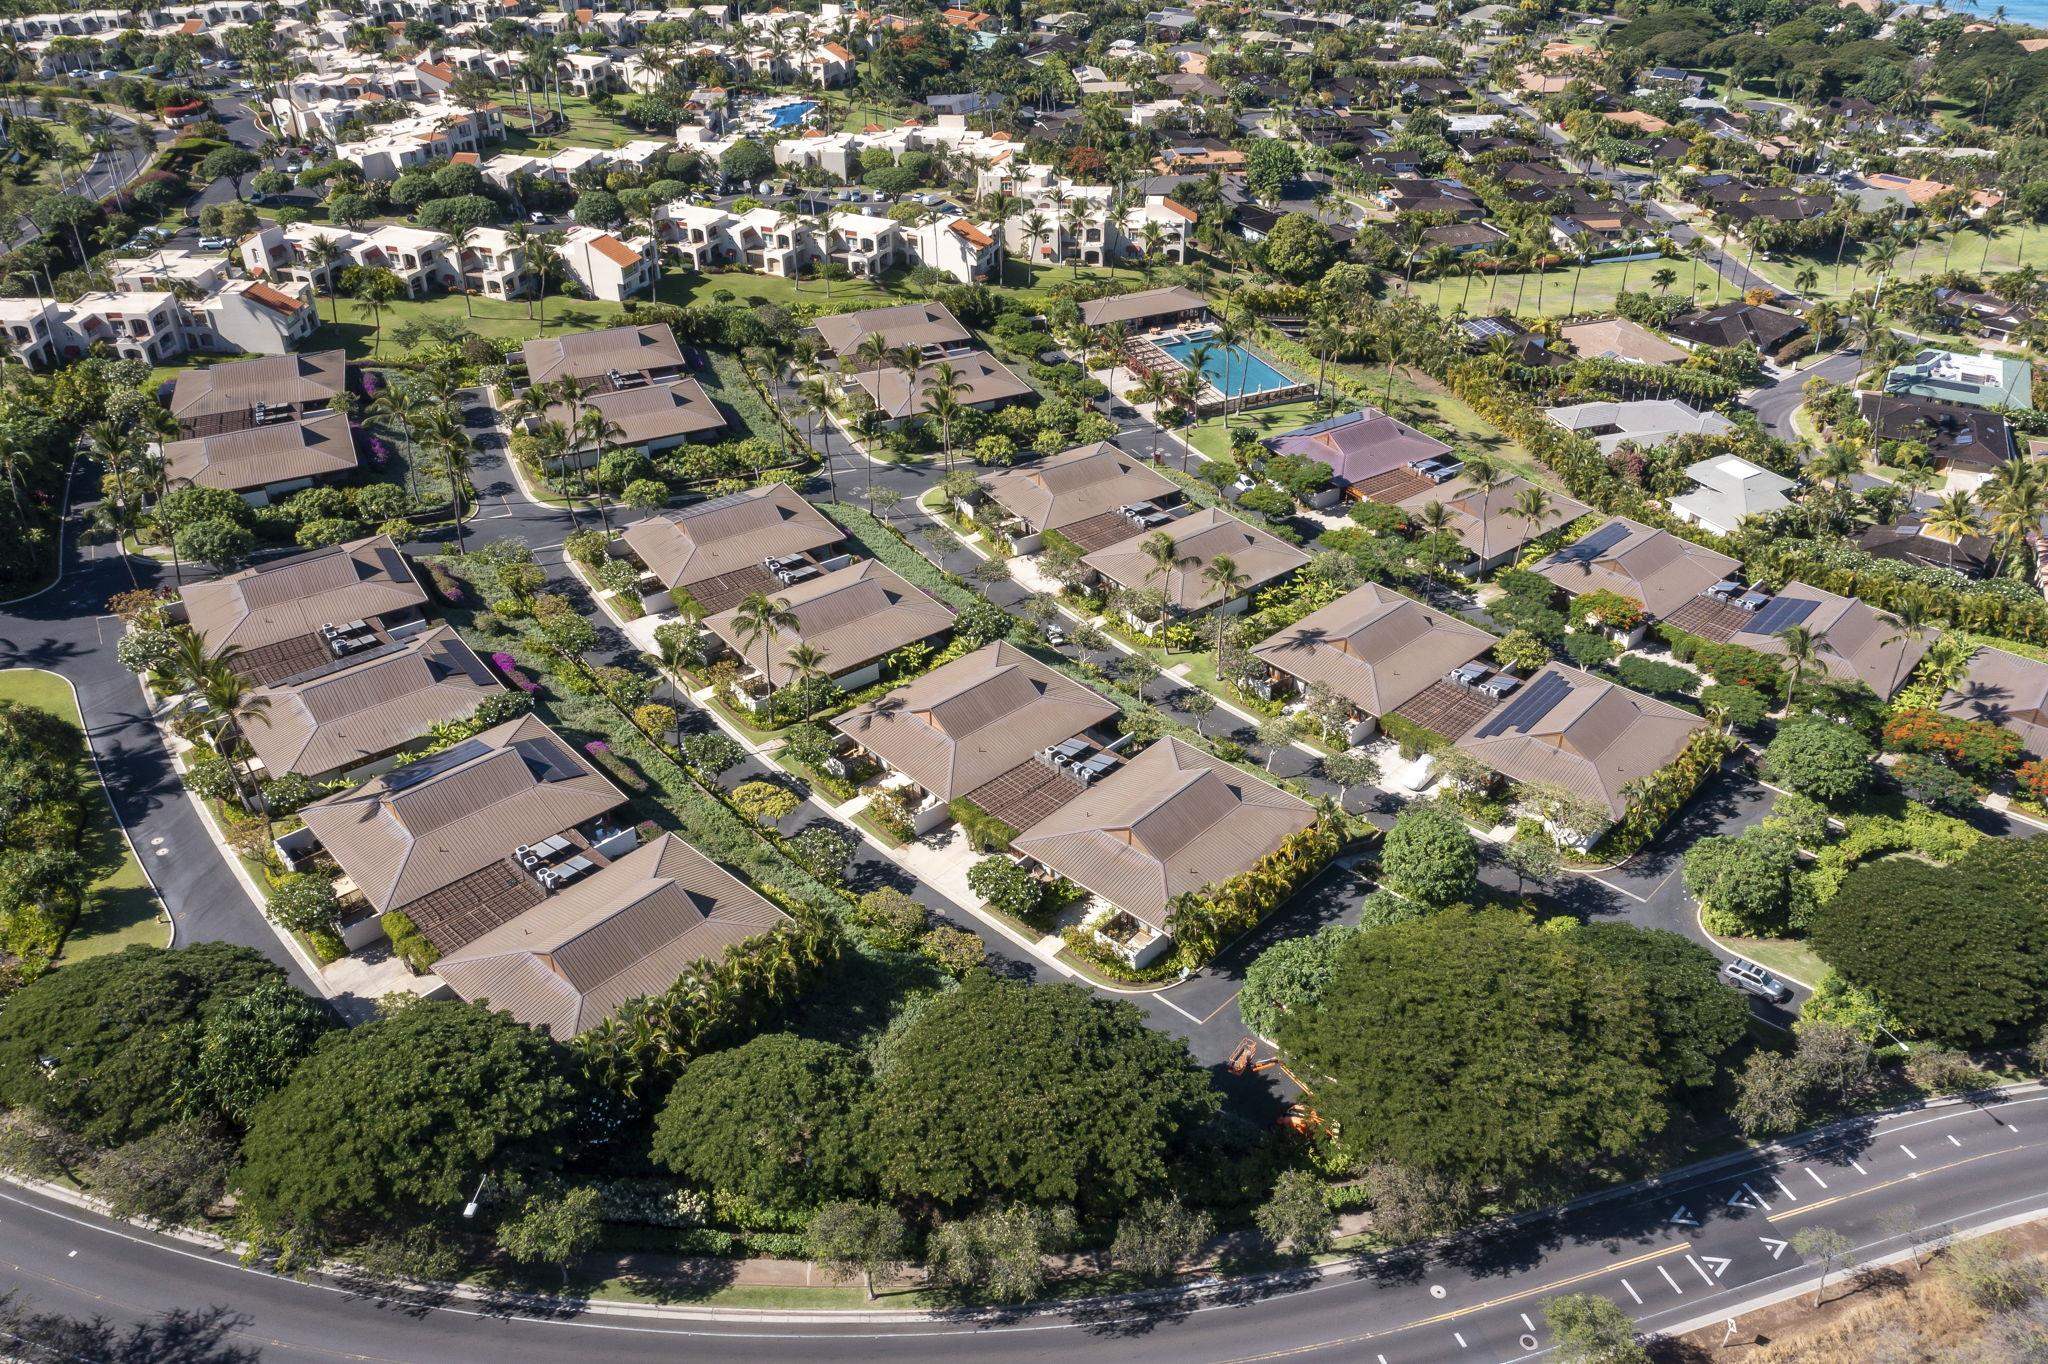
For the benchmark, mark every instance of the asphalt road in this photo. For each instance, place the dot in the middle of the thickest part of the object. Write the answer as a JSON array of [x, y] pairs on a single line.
[[1689, 1252]]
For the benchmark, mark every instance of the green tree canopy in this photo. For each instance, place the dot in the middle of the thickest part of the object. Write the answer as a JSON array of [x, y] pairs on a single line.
[[1038, 1092], [1479, 1046], [121, 1035], [393, 1122], [1819, 758], [1957, 953], [1289, 977], [772, 1119], [1697, 1018], [1429, 856]]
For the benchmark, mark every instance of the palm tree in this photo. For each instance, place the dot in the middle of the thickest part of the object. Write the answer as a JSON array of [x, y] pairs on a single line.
[[1482, 476], [1228, 580], [1154, 388], [234, 704], [115, 447], [1952, 518], [1802, 651], [322, 254], [1907, 621], [2017, 494], [873, 352], [1837, 463], [942, 392], [1165, 555], [598, 431], [758, 620], [807, 661], [460, 237], [816, 395], [1229, 336], [1325, 335], [1532, 504]]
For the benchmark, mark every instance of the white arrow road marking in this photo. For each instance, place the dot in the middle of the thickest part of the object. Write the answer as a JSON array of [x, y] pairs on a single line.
[[1684, 1218], [1777, 1246], [1736, 1199], [1720, 1263]]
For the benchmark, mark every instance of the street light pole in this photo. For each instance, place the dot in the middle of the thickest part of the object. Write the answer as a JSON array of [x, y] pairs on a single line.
[[469, 1208]]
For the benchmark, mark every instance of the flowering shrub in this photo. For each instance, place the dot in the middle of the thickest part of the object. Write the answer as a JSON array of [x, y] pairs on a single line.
[[1977, 745], [509, 666], [597, 747], [2033, 780]]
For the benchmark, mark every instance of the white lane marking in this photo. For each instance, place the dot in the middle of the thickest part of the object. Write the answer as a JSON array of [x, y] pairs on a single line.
[[1460, 1337], [1783, 1189], [1632, 1292], [1859, 1167], [1700, 1269], [1177, 1009], [1952, 1140], [1735, 1200], [1814, 1177], [1908, 1150], [1528, 1323], [1673, 1282]]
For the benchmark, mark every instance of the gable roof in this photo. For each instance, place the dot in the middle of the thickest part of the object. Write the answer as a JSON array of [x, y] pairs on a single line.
[[570, 961], [712, 538], [1854, 643], [1569, 729], [1201, 538], [1374, 647], [652, 412], [1647, 422], [288, 598], [1171, 820], [1487, 522], [430, 823], [964, 724], [316, 446], [906, 324], [1140, 306], [1074, 485], [1617, 338], [898, 394], [2008, 691], [1731, 324], [1654, 567], [592, 355], [367, 705], [855, 615]]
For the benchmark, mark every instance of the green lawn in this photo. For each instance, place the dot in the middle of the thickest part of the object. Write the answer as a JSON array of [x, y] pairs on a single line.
[[120, 908], [1787, 956], [1549, 293], [588, 127], [1969, 251], [1209, 436]]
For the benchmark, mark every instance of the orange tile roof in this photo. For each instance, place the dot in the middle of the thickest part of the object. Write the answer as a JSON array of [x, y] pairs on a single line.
[[1636, 118], [2033, 44], [466, 159], [440, 71], [191, 26], [1182, 209], [274, 299], [971, 234], [616, 251], [841, 53]]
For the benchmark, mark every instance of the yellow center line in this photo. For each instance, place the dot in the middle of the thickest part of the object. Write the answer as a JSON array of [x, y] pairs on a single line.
[[1457, 1313], [1891, 1183]]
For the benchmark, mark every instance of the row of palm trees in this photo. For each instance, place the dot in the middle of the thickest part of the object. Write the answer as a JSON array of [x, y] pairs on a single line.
[[579, 443]]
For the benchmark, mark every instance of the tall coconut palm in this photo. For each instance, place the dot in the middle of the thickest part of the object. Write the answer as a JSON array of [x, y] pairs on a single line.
[[757, 621], [116, 448], [1906, 621], [322, 254], [1802, 651], [232, 705], [1165, 555], [1227, 579], [1155, 388], [1952, 518], [942, 391], [600, 433], [1483, 476], [1532, 504]]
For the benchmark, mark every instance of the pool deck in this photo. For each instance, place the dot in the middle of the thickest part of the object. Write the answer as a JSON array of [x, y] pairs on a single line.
[[1150, 352]]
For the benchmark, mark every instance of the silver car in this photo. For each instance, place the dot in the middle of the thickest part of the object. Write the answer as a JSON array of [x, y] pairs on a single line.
[[1753, 979]]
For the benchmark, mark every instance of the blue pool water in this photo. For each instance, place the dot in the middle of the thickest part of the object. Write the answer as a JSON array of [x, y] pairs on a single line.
[[789, 115], [1235, 371]]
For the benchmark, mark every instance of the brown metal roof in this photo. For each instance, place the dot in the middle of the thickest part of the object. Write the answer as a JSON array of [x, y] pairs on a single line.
[[592, 355], [1487, 523], [696, 544], [287, 599], [316, 446], [428, 824], [650, 412], [360, 708], [2008, 691], [966, 723], [855, 616], [1076, 485], [272, 379], [1199, 538], [900, 395], [1654, 567], [1593, 740], [570, 961], [1374, 647], [905, 324], [1854, 642], [1171, 820], [1141, 306]]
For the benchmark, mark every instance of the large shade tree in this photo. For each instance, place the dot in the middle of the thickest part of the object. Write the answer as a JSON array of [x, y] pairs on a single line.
[[772, 1120], [1477, 1045], [1042, 1093]]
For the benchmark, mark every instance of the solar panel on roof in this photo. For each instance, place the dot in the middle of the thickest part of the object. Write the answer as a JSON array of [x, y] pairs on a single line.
[[1594, 545], [412, 774], [1532, 705], [1782, 614]]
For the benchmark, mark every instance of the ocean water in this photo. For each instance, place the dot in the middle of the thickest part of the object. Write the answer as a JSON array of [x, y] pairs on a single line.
[[2033, 12]]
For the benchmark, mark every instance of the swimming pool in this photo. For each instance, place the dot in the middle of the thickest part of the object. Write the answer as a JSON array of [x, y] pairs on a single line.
[[789, 115], [1232, 370]]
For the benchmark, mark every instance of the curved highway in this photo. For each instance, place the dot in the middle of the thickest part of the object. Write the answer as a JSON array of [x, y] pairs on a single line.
[[1689, 1252]]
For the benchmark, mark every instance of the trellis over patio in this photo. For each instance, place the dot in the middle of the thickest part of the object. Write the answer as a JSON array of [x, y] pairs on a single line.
[[1144, 355]]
